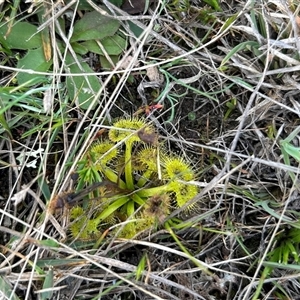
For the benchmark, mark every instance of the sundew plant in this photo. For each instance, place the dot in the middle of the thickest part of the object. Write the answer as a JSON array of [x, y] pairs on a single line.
[[147, 181]]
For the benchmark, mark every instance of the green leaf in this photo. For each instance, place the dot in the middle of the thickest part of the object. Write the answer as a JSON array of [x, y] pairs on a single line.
[[6, 290], [141, 268], [115, 205], [291, 150], [136, 30], [214, 4], [23, 36], [54, 262], [113, 45], [82, 87], [79, 48], [94, 26], [272, 212], [48, 243], [292, 250], [289, 267], [228, 22], [84, 5], [285, 254], [105, 64], [116, 2], [5, 125], [238, 48], [33, 60], [80, 5], [48, 284]]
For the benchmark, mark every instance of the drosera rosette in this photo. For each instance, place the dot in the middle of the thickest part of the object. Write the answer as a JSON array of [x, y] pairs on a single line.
[[88, 223], [152, 214], [180, 173], [103, 154], [176, 174], [151, 181], [157, 208], [149, 160], [127, 130], [82, 226]]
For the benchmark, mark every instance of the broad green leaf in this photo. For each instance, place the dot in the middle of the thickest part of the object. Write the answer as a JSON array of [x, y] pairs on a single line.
[[105, 64], [35, 61], [6, 289], [80, 87], [23, 36], [48, 243], [79, 48], [94, 26], [84, 5], [81, 5], [114, 45], [137, 31], [116, 2], [48, 284], [291, 150]]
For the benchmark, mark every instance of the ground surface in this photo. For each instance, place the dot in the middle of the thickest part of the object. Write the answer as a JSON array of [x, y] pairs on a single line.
[[219, 82]]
